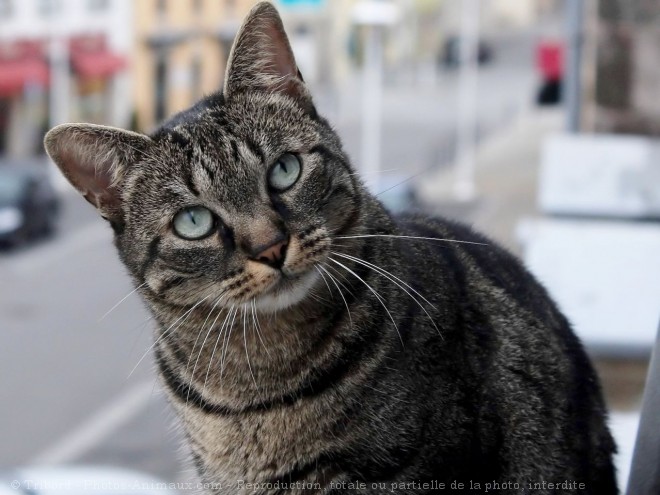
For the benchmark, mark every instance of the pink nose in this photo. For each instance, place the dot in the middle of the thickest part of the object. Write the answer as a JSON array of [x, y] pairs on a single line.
[[274, 254]]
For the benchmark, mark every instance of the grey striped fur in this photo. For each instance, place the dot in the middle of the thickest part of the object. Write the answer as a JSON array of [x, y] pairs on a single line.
[[387, 360]]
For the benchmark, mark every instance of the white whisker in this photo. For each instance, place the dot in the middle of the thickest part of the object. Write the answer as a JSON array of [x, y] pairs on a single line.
[[226, 342], [257, 326], [318, 298], [411, 237], [217, 340], [378, 296], [122, 300], [362, 174], [385, 272], [343, 277], [138, 330], [247, 354], [407, 179], [201, 348], [324, 279], [350, 319], [199, 334], [186, 315], [393, 278]]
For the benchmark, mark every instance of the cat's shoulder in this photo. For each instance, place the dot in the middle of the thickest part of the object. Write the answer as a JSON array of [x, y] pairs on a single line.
[[469, 252], [420, 222], [446, 234]]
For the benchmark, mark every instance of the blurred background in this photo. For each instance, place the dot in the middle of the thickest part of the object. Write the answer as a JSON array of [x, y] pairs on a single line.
[[536, 121]]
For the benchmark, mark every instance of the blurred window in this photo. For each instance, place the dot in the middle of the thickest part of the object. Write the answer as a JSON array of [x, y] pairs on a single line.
[[98, 5], [160, 92], [196, 77], [6, 8], [48, 8], [92, 102]]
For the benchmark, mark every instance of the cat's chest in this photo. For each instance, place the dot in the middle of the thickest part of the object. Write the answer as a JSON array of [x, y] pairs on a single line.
[[260, 446]]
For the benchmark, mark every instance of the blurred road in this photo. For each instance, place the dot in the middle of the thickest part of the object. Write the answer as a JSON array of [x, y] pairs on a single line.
[[420, 113], [64, 367], [67, 397]]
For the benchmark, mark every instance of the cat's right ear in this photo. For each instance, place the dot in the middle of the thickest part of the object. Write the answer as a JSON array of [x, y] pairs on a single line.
[[94, 159], [261, 58]]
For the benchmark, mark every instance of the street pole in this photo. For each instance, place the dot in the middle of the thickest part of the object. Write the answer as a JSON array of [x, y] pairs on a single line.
[[58, 97], [645, 471], [468, 80], [574, 21], [60, 81], [374, 16], [372, 91]]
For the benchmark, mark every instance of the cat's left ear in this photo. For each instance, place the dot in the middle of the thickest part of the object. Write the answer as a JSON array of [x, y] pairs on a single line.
[[94, 159], [261, 58]]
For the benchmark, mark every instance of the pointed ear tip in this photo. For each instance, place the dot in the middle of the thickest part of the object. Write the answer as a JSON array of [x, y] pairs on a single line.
[[264, 5], [54, 131], [51, 138], [54, 135], [264, 8], [59, 136], [58, 130]]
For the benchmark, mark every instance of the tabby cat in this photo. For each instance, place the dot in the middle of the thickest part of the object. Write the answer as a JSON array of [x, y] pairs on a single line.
[[309, 340]]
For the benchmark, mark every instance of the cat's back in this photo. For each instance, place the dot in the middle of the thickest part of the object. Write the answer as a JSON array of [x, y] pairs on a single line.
[[513, 338], [468, 268], [526, 371]]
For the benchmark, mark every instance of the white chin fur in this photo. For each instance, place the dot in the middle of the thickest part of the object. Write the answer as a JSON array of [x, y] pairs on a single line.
[[287, 298]]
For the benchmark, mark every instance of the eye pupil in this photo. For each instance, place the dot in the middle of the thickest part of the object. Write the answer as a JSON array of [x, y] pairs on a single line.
[[193, 223], [284, 173]]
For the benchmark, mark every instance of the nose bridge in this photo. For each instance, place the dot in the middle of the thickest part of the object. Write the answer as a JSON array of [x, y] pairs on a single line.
[[258, 233]]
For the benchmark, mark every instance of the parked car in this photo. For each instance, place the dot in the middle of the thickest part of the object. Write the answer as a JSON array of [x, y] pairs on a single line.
[[450, 54], [28, 204]]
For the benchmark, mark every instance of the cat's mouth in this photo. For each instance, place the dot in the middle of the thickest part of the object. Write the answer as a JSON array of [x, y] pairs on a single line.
[[293, 281], [286, 280], [286, 290]]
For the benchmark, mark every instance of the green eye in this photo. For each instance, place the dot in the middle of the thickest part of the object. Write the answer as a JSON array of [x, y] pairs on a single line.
[[193, 223], [284, 173]]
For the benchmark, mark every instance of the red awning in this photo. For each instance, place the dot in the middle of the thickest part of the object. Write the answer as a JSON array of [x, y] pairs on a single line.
[[93, 65], [16, 74]]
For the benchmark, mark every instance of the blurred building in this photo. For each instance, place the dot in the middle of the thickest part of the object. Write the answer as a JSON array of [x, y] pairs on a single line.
[[502, 16], [620, 74], [61, 60], [330, 43], [180, 53], [309, 27]]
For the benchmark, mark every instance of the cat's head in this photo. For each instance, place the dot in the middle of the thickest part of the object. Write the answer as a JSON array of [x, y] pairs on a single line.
[[232, 201]]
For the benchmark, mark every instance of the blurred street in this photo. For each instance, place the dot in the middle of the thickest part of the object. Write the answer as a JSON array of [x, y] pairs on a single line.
[[555, 129], [420, 113], [63, 365]]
